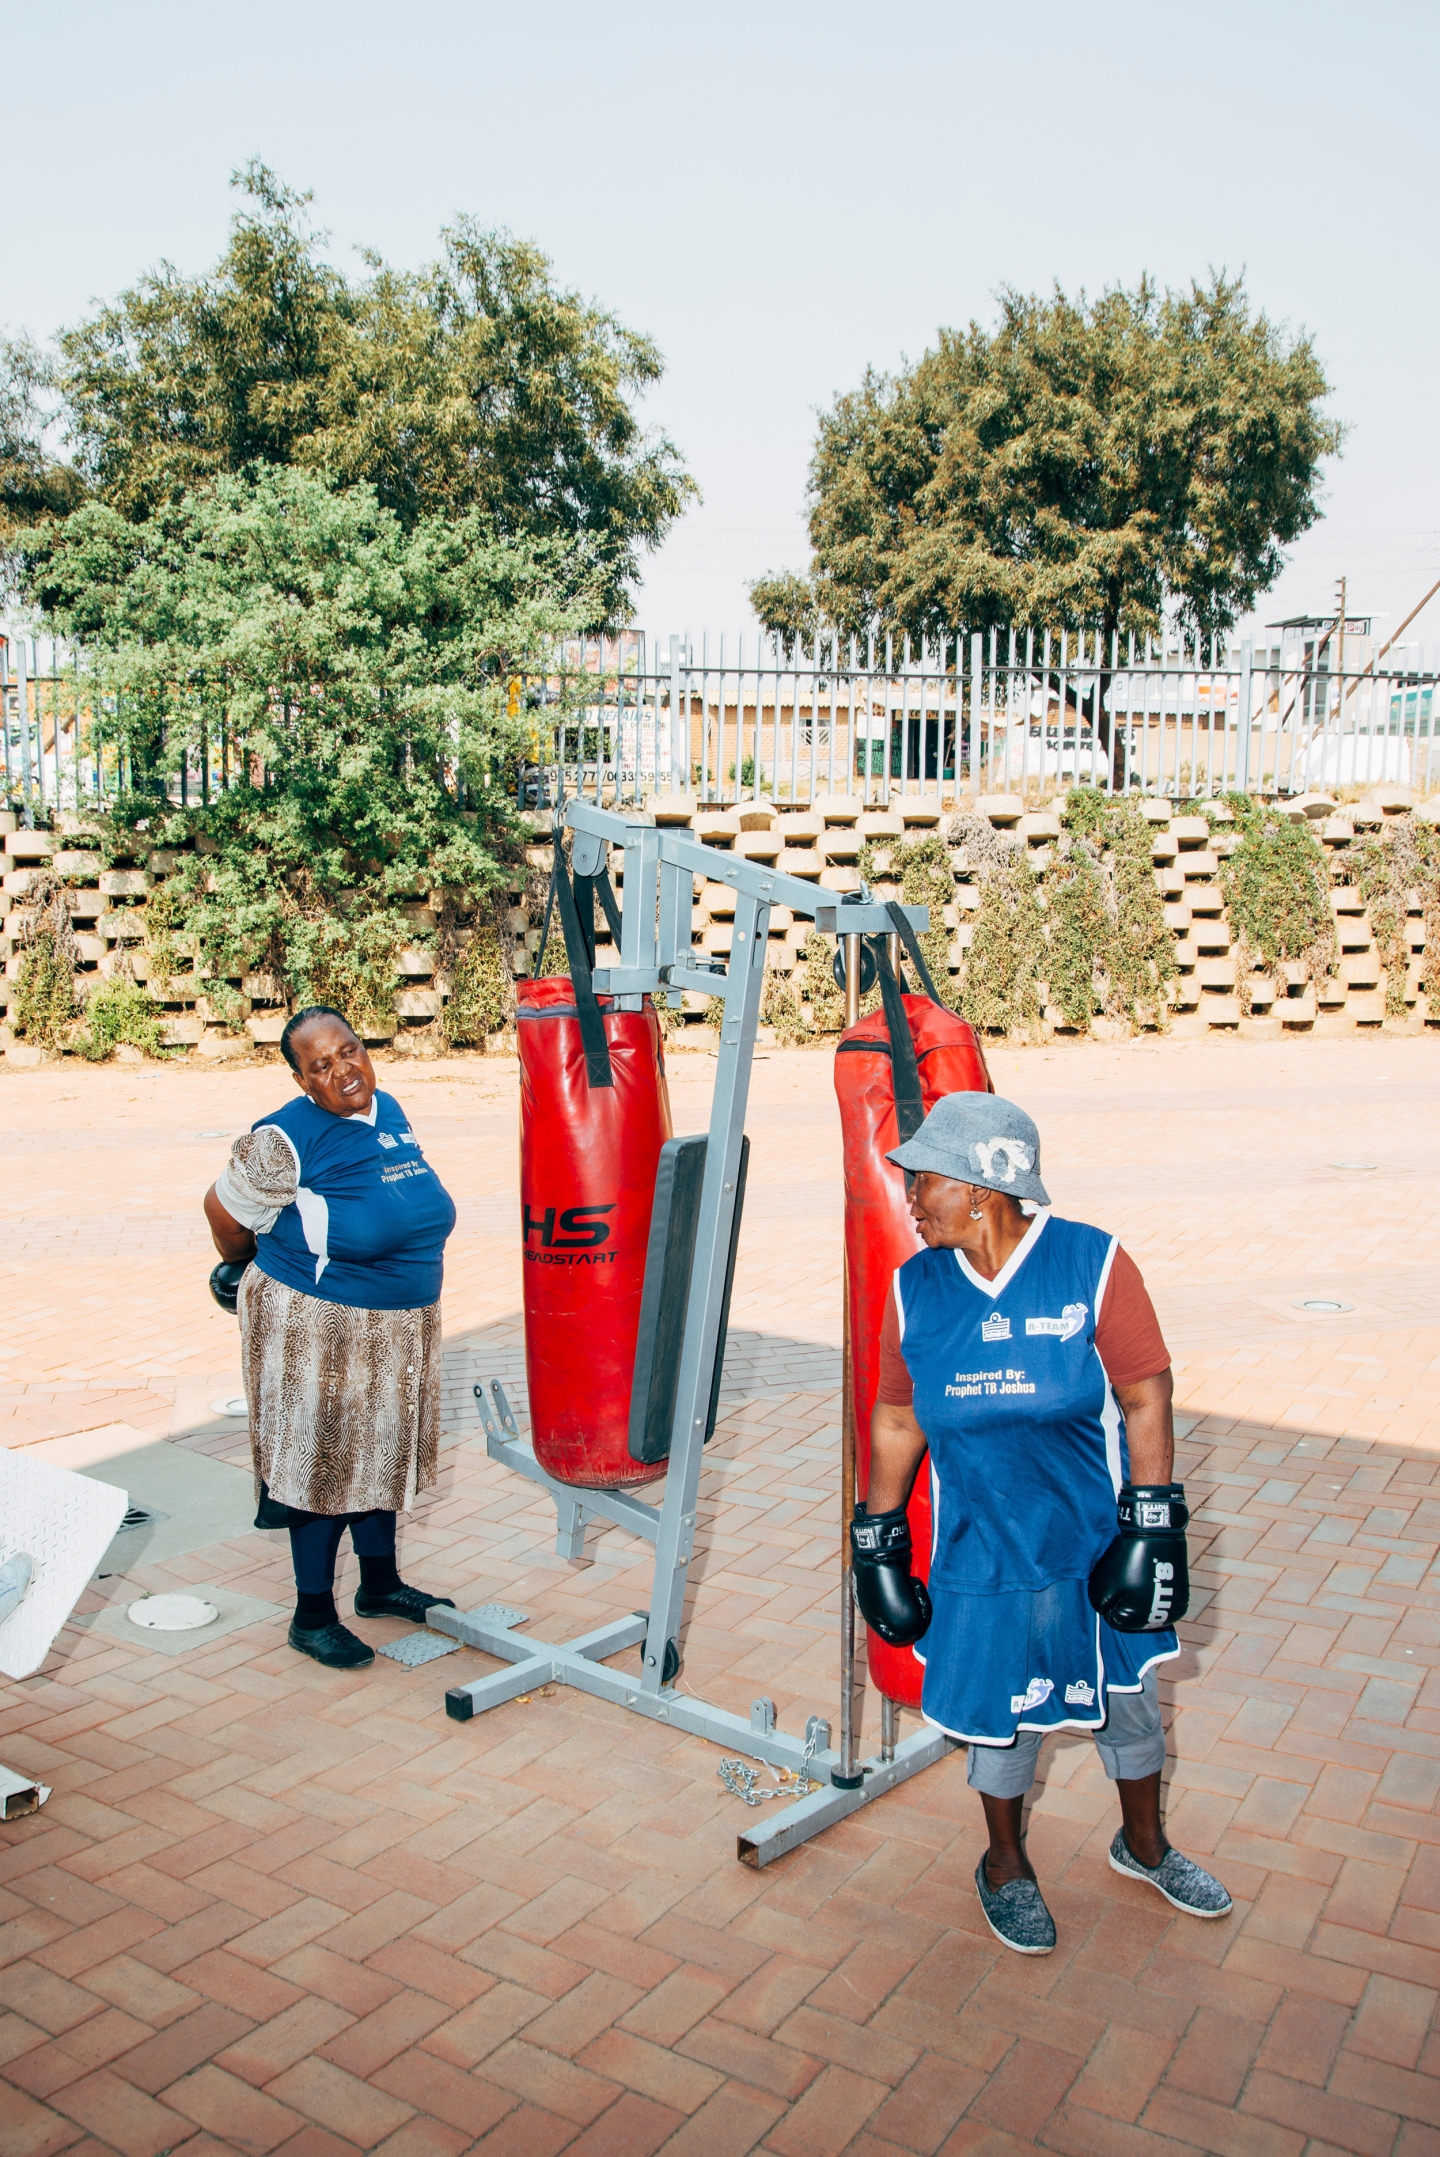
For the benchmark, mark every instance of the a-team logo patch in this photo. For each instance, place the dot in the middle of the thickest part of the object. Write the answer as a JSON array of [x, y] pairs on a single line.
[[385, 1138], [1014, 1152], [1079, 1695], [1035, 1695], [995, 1329], [1064, 1328]]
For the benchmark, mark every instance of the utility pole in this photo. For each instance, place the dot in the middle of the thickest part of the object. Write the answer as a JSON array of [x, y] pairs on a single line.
[[1340, 653]]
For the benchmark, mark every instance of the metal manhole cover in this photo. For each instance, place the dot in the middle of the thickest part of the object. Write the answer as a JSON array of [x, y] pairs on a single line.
[[421, 1646], [1354, 1168], [1321, 1303], [172, 1613], [235, 1406]]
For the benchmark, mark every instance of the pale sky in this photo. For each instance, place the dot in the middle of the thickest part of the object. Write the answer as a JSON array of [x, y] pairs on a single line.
[[784, 194]]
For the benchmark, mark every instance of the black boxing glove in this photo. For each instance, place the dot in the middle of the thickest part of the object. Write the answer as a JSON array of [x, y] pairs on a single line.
[[892, 1603], [1142, 1584], [225, 1285]]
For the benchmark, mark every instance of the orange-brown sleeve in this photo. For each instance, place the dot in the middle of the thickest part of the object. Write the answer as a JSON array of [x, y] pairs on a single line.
[[1127, 1334], [896, 1387]]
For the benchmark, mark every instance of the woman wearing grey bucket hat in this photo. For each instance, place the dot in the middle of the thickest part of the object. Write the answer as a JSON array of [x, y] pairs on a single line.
[[1024, 1352]]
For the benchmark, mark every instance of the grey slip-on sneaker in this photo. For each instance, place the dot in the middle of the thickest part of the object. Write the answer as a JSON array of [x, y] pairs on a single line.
[[1016, 1914], [1180, 1880]]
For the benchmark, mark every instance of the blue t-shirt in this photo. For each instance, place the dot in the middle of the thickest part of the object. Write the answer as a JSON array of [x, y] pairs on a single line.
[[369, 1223], [1027, 1443]]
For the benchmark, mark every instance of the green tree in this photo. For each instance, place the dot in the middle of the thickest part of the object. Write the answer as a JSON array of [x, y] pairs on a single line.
[[473, 384], [350, 678], [1083, 464], [33, 483]]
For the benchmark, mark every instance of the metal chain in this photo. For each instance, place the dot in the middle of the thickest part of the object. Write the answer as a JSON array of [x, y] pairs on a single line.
[[740, 1778]]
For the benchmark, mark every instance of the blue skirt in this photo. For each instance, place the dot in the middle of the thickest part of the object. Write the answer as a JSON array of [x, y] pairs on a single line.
[[1034, 1659]]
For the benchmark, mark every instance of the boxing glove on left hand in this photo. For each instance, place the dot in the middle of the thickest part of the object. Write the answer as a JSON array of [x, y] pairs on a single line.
[[1142, 1583], [892, 1602]]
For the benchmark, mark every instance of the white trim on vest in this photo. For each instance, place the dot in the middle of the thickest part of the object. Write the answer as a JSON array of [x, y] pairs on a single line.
[[1013, 1263]]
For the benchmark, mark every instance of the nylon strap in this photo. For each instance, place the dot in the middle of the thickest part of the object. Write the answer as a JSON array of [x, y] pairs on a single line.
[[607, 900], [578, 950], [539, 967], [905, 1068], [911, 943]]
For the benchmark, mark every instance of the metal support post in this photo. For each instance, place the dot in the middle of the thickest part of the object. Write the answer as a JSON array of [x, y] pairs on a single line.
[[679, 727], [23, 686], [847, 1776], [1247, 716], [656, 959]]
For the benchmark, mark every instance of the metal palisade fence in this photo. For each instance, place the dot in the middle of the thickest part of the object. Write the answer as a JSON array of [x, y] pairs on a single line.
[[1004, 711], [620, 719]]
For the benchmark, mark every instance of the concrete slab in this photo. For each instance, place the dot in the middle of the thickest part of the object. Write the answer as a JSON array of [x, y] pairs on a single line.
[[202, 1501]]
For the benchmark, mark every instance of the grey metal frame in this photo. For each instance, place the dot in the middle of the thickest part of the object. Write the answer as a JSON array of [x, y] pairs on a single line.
[[656, 959]]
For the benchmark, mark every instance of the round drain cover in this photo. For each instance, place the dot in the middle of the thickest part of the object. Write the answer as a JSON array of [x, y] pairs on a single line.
[[1323, 1303], [1356, 1168], [235, 1406], [172, 1613]]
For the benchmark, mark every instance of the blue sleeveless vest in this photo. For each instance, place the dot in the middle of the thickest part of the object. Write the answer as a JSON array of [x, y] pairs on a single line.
[[1027, 1454], [369, 1225]]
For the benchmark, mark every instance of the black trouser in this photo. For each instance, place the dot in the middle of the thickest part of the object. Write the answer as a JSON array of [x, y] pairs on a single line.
[[315, 1544]]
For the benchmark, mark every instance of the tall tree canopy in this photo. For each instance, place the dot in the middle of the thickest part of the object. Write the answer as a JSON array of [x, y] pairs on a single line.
[[1083, 464], [473, 384]]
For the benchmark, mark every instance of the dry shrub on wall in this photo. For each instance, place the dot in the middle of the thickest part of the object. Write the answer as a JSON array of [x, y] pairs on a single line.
[[1393, 869], [780, 1008], [44, 1007], [482, 997]]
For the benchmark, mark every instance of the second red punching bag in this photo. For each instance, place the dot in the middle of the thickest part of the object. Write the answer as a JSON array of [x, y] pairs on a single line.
[[594, 1114], [914, 1047]]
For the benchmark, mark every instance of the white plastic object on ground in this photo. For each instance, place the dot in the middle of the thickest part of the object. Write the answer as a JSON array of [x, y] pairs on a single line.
[[172, 1613]]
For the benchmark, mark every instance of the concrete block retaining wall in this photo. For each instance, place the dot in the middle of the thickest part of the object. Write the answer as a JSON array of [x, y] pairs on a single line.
[[821, 843]]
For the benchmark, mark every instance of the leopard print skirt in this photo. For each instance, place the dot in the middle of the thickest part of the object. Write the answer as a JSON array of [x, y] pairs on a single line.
[[344, 1404]]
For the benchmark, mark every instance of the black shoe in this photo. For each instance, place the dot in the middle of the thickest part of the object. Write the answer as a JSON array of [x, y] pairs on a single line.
[[334, 1645], [401, 1602]]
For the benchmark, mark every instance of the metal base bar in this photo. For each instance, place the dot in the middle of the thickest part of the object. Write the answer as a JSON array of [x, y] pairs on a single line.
[[782, 1831], [580, 1663]]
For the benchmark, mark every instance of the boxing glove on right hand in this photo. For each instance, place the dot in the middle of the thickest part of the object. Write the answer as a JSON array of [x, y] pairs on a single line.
[[1142, 1583], [225, 1285], [892, 1602]]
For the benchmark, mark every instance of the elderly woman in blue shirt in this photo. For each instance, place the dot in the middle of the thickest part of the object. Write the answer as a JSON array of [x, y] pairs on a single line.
[[344, 1224]]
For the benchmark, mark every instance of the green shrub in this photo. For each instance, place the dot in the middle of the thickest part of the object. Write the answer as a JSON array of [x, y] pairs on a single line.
[[1004, 964], [923, 871], [119, 1012], [1276, 885], [1080, 927], [1140, 962]]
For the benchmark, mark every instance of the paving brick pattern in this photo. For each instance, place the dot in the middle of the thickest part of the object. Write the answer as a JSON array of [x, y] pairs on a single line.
[[271, 1908]]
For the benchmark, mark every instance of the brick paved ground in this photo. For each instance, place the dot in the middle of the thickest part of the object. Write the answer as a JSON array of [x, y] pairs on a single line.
[[272, 1908]]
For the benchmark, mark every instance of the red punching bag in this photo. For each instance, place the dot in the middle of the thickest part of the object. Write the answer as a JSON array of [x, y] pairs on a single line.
[[594, 1114], [916, 1048]]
